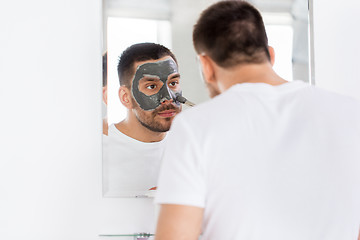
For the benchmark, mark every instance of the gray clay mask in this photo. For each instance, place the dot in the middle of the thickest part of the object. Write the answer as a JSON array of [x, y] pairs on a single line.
[[160, 70]]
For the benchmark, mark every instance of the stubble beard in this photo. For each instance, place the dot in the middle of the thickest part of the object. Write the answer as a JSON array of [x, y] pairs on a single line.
[[149, 121]]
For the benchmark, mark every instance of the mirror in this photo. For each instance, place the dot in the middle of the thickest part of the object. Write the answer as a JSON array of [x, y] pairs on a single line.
[[170, 22]]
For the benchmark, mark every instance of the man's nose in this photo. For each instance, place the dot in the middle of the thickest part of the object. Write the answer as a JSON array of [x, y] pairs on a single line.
[[167, 95], [166, 101]]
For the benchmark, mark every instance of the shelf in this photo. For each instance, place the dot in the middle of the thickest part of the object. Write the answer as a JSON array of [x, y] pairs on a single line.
[[138, 236]]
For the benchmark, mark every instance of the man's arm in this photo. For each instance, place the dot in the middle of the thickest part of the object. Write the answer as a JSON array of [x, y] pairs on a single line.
[[179, 222]]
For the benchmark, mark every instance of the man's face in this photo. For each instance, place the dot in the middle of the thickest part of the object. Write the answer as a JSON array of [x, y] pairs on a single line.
[[154, 88]]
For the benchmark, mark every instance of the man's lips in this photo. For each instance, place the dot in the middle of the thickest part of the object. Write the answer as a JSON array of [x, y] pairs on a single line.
[[167, 113]]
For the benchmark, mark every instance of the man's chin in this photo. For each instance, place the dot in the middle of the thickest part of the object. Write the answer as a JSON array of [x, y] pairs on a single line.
[[161, 125], [159, 129], [164, 123]]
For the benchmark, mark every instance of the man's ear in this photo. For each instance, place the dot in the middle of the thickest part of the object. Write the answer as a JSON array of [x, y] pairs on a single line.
[[125, 97], [272, 55], [208, 68], [104, 94]]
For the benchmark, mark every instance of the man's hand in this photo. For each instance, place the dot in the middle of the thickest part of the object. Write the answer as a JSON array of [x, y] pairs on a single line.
[[179, 222]]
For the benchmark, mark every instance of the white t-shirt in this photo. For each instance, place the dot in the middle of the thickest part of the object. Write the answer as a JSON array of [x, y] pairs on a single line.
[[268, 162], [130, 167]]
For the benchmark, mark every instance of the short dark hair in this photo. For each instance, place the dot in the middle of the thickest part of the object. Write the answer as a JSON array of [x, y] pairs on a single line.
[[231, 32], [139, 52]]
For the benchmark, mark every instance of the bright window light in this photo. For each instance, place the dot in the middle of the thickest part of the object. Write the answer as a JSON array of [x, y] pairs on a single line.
[[280, 38], [122, 33]]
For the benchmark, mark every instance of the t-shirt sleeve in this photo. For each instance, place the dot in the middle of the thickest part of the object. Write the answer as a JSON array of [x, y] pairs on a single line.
[[182, 174]]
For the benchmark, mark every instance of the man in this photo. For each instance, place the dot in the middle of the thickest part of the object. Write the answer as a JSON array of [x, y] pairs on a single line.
[[149, 85], [266, 158]]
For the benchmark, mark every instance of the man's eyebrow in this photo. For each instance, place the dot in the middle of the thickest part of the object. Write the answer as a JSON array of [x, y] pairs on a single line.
[[150, 77], [174, 75]]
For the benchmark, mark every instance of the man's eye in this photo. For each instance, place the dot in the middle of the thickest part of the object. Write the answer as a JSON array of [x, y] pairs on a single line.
[[173, 84], [151, 86]]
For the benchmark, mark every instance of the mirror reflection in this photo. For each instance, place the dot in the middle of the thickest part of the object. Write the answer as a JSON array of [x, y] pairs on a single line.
[[149, 87], [141, 90]]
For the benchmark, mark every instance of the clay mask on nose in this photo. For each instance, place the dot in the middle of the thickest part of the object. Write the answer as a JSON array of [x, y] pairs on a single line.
[[162, 70]]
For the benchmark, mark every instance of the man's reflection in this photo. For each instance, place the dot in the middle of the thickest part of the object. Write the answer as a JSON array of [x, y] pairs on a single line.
[[149, 83]]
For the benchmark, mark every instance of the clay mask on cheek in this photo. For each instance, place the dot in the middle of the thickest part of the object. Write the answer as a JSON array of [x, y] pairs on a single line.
[[162, 70]]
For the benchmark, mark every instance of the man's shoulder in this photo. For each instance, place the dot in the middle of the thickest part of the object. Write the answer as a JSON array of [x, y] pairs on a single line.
[[115, 134], [118, 139], [203, 107], [118, 146], [204, 114], [336, 100], [222, 106]]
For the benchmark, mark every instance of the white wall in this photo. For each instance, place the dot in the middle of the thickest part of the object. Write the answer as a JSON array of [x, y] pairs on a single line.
[[337, 48], [50, 131]]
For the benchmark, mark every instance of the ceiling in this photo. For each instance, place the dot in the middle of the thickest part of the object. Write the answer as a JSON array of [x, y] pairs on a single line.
[[162, 9]]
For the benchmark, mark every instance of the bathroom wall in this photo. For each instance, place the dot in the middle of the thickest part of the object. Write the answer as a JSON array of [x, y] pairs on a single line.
[[337, 49], [50, 131]]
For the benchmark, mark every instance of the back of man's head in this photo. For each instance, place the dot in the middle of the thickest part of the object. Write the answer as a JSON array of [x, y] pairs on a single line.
[[231, 32], [136, 53]]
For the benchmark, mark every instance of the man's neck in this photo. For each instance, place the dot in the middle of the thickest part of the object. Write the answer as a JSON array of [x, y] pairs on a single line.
[[134, 129], [249, 73]]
